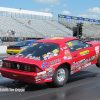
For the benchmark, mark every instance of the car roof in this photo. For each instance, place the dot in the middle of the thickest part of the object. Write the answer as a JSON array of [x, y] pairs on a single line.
[[56, 39]]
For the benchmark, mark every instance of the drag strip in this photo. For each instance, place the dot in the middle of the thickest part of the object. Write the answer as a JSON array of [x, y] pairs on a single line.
[[83, 85]]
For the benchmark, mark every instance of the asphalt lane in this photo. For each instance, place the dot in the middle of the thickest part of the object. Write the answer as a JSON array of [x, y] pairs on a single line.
[[83, 85]]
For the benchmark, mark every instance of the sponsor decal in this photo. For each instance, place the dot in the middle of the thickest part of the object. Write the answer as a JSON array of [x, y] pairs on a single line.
[[67, 55], [97, 50], [44, 65], [41, 73], [28, 56], [54, 61], [40, 76], [79, 48], [47, 74], [22, 48], [35, 44], [63, 48], [65, 58], [44, 55], [82, 63], [20, 56], [57, 38], [55, 51], [48, 78], [69, 44], [38, 80], [88, 64], [84, 52], [72, 72], [49, 69], [55, 64]]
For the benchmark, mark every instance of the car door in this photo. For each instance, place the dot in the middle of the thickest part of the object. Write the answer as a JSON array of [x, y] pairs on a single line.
[[82, 54]]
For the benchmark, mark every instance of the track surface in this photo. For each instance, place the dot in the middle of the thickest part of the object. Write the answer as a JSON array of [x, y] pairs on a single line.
[[83, 85]]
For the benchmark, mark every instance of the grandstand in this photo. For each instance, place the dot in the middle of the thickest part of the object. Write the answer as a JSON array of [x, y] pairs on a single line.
[[41, 24]]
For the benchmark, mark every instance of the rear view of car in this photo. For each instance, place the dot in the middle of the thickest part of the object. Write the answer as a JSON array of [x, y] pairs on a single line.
[[16, 48]]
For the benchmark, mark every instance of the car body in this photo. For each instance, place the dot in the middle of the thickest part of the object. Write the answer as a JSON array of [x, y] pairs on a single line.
[[16, 48], [51, 60]]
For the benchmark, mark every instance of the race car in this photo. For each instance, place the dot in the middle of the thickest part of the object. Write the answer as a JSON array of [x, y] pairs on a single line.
[[51, 60], [16, 48]]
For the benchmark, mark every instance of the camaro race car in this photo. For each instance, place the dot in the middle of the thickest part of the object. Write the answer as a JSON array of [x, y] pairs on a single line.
[[16, 48], [51, 60]]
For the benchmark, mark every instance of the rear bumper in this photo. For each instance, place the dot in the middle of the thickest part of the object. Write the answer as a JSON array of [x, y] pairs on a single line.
[[19, 75], [9, 51]]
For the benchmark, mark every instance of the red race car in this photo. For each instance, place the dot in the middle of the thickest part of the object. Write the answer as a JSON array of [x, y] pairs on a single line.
[[51, 60]]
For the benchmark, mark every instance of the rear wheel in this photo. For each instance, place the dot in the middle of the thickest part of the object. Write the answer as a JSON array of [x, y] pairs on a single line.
[[98, 61], [60, 76]]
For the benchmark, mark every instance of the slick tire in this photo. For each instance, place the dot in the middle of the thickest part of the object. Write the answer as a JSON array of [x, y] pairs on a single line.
[[60, 76], [98, 61]]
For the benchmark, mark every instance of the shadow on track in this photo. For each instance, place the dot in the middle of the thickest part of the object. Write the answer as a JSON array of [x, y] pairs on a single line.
[[35, 87]]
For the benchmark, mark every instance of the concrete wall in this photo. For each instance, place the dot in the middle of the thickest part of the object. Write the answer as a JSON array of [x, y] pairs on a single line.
[[3, 49]]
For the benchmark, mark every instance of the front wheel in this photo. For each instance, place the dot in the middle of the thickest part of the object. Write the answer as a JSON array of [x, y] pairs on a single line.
[[60, 76]]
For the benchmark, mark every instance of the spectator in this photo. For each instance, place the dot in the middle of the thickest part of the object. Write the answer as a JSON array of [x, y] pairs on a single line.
[[9, 32], [29, 22], [12, 32]]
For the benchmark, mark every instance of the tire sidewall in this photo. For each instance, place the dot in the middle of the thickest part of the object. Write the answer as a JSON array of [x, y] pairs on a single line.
[[55, 80], [98, 61]]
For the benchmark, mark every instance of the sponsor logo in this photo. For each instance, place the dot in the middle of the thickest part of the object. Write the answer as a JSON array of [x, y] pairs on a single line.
[[62, 16], [44, 65], [54, 61], [48, 79], [84, 52], [57, 38], [74, 17]]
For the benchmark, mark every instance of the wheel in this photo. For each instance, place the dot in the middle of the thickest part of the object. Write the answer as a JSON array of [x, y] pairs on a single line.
[[60, 76], [98, 61]]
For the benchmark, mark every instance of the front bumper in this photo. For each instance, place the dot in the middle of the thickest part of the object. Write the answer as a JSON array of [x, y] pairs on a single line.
[[28, 77]]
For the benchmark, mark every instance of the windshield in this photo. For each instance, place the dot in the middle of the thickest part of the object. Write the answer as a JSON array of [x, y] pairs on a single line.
[[40, 51], [23, 43]]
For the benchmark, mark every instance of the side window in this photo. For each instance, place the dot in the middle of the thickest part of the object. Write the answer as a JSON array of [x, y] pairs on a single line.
[[76, 45]]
